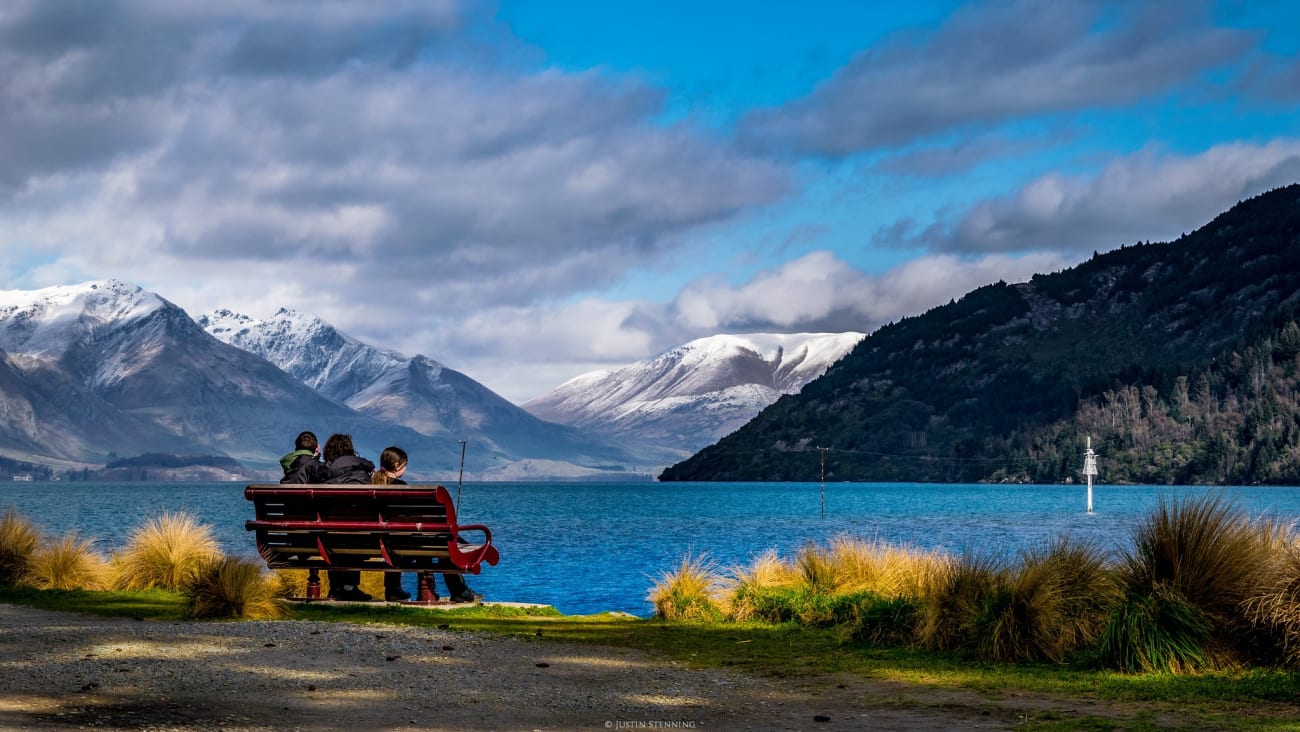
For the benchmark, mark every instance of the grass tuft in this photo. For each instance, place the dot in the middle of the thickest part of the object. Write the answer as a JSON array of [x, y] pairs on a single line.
[[232, 587], [1275, 606], [953, 604], [750, 592], [18, 540], [1156, 631], [1195, 562], [884, 569], [69, 564], [165, 552], [688, 593]]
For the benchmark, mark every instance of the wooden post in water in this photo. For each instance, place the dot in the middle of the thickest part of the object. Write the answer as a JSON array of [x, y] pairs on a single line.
[[1089, 469]]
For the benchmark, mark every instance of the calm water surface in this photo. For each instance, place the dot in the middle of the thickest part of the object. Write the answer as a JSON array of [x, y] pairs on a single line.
[[587, 547]]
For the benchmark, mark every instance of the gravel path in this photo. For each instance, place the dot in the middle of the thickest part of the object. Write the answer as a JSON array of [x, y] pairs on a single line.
[[67, 671]]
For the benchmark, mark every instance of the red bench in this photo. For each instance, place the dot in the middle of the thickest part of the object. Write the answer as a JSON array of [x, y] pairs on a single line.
[[367, 528]]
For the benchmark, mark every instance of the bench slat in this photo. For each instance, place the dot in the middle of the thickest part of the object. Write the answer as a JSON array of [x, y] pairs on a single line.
[[410, 528]]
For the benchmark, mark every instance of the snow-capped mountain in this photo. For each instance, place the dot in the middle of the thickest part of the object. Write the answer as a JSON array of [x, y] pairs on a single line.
[[696, 393], [414, 391], [107, 367]]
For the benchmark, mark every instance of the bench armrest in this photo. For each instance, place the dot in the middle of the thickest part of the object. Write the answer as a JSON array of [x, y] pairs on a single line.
[[472, 560]]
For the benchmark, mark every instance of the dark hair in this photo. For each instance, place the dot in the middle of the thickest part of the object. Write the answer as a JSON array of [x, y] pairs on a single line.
[[337, 446], [390, 459], [306, 441]]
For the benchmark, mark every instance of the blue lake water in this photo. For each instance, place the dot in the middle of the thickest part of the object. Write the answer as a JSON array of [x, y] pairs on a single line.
[[588, 547]]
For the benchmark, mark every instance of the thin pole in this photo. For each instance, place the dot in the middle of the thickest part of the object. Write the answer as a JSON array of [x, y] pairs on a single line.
[[823, 450], [461, 479]]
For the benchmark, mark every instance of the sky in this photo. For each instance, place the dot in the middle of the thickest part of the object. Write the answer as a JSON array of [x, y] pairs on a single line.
[[528, 190]]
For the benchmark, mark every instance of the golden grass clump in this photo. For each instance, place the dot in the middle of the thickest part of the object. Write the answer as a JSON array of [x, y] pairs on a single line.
[[818, 571], [952, 606], [884, 569], [18, 540], [1084, 589], [743, 588], [691, 592], [1275, 605], [165, 552], [232, 587], [69, 564]]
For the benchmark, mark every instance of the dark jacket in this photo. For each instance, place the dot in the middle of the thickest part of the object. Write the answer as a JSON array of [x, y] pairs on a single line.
[[349, 469], [301, 466]]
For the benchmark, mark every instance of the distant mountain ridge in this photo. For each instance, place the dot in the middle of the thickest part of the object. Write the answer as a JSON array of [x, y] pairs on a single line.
[[693, 394], [1179, 358], [417, 392]]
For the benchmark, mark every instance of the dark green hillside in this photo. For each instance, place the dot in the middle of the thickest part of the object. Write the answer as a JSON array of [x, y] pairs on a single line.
[[1177, 358]]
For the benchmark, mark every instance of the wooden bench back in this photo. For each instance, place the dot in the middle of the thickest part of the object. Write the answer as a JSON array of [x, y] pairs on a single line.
[[383, 528]]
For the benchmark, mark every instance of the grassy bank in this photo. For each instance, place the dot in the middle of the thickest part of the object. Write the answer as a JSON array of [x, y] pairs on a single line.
[[1248, 699]]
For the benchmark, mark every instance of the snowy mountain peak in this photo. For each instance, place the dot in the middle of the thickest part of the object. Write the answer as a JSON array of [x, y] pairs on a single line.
[[46, 322], [697, 392], [325, 358]]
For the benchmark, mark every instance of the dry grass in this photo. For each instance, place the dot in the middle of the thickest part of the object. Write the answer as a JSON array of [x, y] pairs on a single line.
[[884, 569], [1084, 588], [744, 588], [69, 564], [232, 587], [165, 552], [18, 540], [953, 604], [690, 592], [1275, 605]]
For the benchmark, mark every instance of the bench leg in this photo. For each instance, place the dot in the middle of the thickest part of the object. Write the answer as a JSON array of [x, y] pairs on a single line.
[[428, 593], [313, 584]]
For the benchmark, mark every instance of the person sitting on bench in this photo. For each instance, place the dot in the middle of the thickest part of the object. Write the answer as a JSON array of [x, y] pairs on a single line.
[[343, 465], [392, 466]]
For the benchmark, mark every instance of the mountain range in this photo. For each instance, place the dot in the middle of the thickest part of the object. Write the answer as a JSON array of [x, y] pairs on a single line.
[[1180, 360], [104, 369], [98, 372]]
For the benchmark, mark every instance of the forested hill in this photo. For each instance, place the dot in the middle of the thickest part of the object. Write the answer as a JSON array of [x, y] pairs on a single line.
[[1180, 360]]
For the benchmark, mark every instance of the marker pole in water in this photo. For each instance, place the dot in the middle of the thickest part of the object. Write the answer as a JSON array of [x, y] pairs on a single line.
[[1089, 470], [823, 450], [461, 478]]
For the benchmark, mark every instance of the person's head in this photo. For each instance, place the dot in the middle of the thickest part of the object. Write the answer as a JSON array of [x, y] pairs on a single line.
[[337, 446], [392, 460], [392, 466], [306, 441]]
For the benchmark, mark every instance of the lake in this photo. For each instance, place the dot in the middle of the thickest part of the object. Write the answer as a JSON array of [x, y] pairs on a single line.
[[596, 547]]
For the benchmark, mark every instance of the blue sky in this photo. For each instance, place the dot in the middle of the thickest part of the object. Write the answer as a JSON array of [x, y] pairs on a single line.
[[529, 190]]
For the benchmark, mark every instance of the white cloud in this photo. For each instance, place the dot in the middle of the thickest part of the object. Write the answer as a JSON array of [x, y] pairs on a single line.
[[1150, 195]]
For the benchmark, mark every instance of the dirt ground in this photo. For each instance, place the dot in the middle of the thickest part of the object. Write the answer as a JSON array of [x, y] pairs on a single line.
[[61, 671]]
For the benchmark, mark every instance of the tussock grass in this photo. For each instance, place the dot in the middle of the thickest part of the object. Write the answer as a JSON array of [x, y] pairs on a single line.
[[1195, 563], [1083, 590], [232, 587], [818, 571], [18, 540], [1275, 606], [752, 592], [884, 569], [68, 564], [690, 592], [952, 607], [167, 552]]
